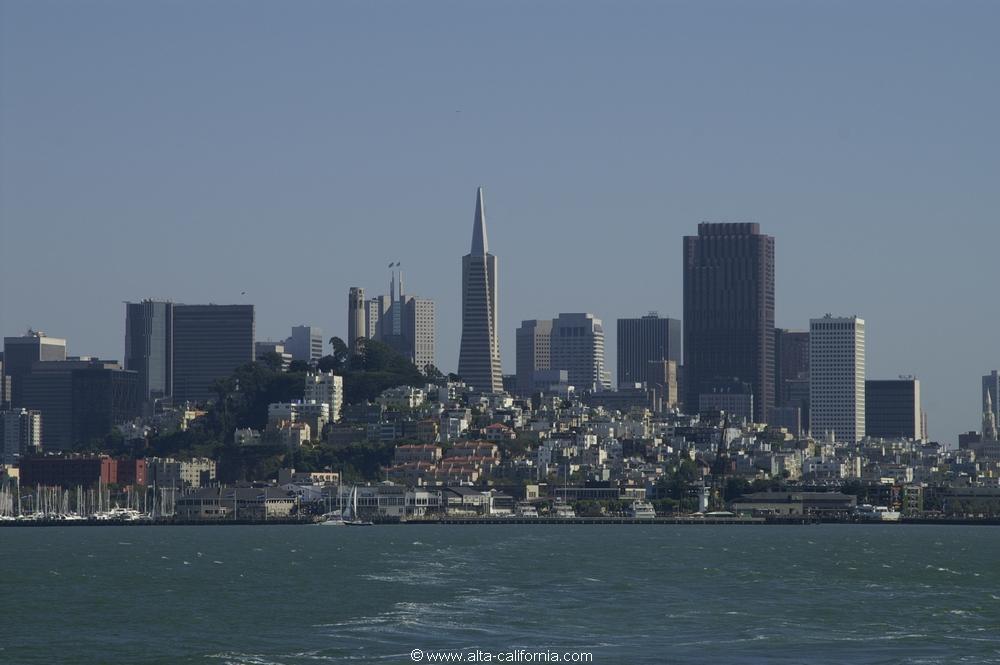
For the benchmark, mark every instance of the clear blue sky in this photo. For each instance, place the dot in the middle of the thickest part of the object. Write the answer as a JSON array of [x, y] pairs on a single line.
[[196, 150]]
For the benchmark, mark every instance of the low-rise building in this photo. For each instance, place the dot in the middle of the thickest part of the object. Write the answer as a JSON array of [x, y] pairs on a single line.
[[795, 504]]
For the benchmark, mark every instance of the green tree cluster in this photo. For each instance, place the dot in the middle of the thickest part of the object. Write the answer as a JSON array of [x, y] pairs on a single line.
[[375, 368]]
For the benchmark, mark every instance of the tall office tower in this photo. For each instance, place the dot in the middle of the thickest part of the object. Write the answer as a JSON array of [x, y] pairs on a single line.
[[81, 399], [729, 310], [210, 342], [991, 389], [662, 376], [20, 353], [326, 388], [305, 344], [405, 323], [577, 346], [533, 348], [419, 324], [390, 324], [837, 377], [376, 310], [791, 361], [479, 355], [645, 340], [892, 409], [20, 434], [791, 377], [149, 346], [4, 385], [357, 317]]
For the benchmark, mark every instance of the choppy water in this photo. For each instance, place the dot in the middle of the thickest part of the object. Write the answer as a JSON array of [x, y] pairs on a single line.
[[291, 595]]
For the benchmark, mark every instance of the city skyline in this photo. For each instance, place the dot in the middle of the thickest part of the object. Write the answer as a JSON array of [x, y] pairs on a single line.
[[823, 154]]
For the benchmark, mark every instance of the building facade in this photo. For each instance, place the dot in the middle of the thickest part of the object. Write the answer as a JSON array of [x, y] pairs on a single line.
[[791, 379], [81, 400], [641, 341], [263, 350], [729, 310], [210, 342], [149, 347], [326, 388], [577, 346], [479, 354], [533, 349], [405, 323], [892, 409], [733, 397], [20, 354], [419, 323], [21, 430], [305, 343], [837, 377]]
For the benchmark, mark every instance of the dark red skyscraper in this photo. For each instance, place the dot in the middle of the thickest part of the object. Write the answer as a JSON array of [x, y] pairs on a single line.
[[729, 311]]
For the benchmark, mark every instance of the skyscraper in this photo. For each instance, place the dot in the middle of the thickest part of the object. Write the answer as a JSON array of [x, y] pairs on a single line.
[[305, 344], [20, 434], [479, 355], [357, 317], [577, 346], [533, 347], [80, 399], [892, 409], [729, 311], [837, 377], [4, 385], [210, 341], [20, 353], [149, 346], [791, 377], [645, 340], [419, 324], [406, 323]]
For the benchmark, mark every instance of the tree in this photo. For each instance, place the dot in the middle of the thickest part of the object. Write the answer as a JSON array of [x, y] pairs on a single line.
[[340, 355], [433, 374], [272, 360], [299, 366]]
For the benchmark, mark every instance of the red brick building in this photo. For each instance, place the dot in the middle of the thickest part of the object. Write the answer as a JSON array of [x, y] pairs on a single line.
[[84, 471]]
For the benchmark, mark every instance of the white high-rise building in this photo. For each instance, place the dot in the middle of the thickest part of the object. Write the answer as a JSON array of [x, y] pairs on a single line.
[[326, 388], [837, 377], [21, 432], [577, 346]]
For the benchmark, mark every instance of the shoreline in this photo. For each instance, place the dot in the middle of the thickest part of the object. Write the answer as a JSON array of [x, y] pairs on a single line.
[[538, 521]]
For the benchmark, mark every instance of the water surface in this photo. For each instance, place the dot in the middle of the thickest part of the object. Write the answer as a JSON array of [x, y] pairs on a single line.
[[290, 595]]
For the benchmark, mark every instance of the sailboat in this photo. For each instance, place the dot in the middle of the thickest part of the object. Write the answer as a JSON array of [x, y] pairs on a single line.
[[352, 518], [332, 517]]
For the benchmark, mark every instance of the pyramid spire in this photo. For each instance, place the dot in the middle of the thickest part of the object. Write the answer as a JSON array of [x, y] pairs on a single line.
[[479, 245]]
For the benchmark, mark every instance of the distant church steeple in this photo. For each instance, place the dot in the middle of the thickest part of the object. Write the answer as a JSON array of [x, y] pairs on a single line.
[[989, 420]]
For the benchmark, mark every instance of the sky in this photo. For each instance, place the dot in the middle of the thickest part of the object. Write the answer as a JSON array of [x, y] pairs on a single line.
[[194, 151]]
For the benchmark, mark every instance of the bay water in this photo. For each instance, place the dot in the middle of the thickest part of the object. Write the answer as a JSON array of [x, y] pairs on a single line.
[[290, 595]]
